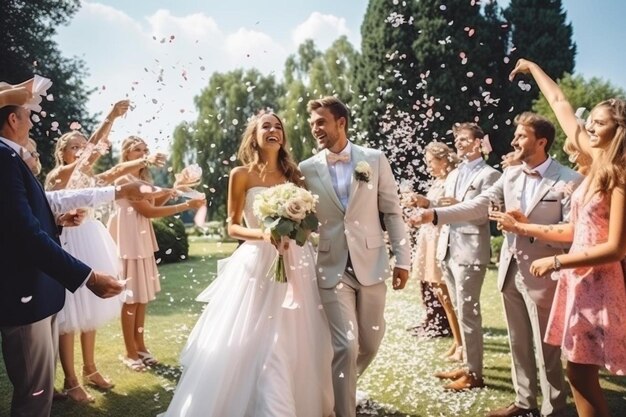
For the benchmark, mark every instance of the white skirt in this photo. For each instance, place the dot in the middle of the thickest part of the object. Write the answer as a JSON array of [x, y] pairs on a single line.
[[260, 348], [83, 310]]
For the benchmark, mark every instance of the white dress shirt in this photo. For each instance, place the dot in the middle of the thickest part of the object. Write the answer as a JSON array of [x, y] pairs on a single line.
[[341, 175], [531, 184], [63, 201], [466, 169]]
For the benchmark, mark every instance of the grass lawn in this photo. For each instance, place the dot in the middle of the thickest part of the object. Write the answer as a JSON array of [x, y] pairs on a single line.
[[399, 381]]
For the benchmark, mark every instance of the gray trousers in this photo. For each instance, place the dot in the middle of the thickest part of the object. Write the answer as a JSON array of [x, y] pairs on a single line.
[[527, 322], [465, 283], [356, 317], [29, 355]]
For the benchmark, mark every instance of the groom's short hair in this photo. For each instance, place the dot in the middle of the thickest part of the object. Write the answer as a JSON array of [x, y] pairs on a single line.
[[333, 104]]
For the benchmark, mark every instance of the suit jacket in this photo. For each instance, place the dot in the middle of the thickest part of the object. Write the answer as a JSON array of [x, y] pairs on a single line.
[[356, 230], [550, 205], [469, 241], [35, 270]]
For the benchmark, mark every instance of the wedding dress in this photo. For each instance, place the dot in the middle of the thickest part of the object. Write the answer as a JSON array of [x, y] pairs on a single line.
[[260, 348]]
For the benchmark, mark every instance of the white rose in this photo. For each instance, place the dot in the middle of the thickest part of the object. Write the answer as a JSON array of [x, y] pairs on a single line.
[[295, 209]]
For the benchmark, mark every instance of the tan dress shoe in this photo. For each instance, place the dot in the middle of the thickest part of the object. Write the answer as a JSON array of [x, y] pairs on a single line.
[[513, 411], [465, 382], [454, 374]]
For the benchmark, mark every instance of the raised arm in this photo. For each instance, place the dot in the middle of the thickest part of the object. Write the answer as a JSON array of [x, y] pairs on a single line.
[[123, 168], [119, 109], [237, 186], [558, 102]]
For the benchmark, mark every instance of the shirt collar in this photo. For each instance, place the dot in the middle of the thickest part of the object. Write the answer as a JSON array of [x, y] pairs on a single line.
[[13, 145], [347, 150], [541, 168], [469, 165]]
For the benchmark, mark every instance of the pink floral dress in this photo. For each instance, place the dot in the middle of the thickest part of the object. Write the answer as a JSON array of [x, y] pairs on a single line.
[[588, 316]]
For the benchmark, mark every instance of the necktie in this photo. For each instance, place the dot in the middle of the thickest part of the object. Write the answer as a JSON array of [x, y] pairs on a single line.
[[333, 158], [532, 173]]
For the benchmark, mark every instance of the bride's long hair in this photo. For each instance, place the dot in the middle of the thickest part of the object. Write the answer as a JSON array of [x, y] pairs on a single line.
[[250, 157]]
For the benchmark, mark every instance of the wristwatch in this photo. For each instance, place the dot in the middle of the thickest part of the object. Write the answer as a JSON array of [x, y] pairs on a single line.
[[435, 217]]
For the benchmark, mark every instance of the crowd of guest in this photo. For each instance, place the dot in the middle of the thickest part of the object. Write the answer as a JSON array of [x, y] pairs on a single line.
[[560, 271]]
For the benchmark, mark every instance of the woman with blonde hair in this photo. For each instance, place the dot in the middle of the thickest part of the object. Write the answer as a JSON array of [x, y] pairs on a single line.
[[133, 232], [252, 353], [90, 242], [440, 160], [588, 315]]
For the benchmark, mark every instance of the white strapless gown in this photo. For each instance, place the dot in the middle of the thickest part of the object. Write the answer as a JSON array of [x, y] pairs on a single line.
[[260, 348]]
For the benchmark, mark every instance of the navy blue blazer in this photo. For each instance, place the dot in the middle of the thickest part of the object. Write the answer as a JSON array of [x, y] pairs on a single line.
[[34, 269]]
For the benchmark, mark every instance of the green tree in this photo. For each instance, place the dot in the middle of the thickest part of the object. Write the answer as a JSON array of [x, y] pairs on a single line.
[[311, 74], [28, 48], [224, 106], [539, 32], [580, 93]]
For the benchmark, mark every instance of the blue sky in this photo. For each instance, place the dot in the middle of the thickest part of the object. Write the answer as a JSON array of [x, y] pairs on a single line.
[[161, 53]]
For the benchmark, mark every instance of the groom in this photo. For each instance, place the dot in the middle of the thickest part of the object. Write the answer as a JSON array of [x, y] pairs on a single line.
[[355, 186]]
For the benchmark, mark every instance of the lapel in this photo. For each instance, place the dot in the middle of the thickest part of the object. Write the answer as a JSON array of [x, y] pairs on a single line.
[[321, 165], [472, 176], [357, 155], [550, 178], [517, 186], [450, 185]]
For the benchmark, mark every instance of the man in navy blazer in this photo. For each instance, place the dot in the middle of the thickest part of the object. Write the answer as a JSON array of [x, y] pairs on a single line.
[[34, 273]]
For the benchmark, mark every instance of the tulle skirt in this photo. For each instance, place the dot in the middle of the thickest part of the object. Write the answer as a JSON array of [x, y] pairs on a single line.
[[260, 348], [83, 310]]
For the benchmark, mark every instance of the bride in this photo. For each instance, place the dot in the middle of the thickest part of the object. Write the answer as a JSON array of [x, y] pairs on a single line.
[[261, 348]]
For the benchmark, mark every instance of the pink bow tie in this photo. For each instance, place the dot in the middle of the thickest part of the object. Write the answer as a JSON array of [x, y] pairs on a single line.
[[333, 158], [532, 173]]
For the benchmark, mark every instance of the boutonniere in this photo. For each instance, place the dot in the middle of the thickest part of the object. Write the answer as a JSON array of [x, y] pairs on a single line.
[[363, 171], [471, 188]]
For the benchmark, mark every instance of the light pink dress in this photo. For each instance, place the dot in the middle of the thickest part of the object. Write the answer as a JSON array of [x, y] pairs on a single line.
[[136, 244], [425, 266], [588, 317]]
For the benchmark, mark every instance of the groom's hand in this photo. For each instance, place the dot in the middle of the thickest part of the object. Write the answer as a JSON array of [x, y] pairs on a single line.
[[400, 277]]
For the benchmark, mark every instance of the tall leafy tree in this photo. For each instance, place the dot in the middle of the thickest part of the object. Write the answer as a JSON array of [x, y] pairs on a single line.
[[28, 47], [309, 74], [539, 32], [224, 107], [580, 93]]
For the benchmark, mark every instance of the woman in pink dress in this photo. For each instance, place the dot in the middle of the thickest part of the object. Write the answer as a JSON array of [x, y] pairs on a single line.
[[588, 316], [136, 243]]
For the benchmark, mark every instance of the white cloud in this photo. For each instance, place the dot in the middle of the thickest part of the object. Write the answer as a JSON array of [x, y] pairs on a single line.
[[246, 47], [197, 26], [322, 28]]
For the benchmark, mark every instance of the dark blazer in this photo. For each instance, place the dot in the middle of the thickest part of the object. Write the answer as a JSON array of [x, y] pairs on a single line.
[[34, 269]]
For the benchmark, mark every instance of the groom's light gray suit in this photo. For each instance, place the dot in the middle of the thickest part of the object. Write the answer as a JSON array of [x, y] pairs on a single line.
[[464, 252], [527, 299], [354, 302]]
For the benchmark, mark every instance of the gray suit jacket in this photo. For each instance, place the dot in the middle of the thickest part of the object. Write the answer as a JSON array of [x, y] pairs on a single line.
[[550, 205], [468, 240], [357, 229]]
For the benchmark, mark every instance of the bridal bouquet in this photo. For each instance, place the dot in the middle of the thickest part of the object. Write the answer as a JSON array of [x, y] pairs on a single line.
[[286, 210]]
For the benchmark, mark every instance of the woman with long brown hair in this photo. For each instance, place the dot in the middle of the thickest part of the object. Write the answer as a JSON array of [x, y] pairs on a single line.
[[261, 347]]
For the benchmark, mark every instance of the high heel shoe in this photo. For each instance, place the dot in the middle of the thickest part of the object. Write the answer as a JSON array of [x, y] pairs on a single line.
[[77, 393], [96, 380]]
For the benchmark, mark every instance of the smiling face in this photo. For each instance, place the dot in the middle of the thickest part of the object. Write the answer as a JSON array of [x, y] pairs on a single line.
[[526, 145], [73, 148], [328, 131], [601, 127], [269, 132], [466, 144], [438, 168], [137, 151]]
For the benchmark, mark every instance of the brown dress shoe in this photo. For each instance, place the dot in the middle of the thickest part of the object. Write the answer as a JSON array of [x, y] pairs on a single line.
[[454, 374], [465, 382], [513, 411]]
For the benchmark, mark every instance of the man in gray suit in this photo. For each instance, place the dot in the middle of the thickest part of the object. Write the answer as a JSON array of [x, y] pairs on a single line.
[[354, 185], [464, 251], [540, 188]]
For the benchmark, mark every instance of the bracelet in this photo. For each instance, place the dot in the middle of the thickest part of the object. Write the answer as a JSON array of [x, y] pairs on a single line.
[[556, 264], [146, 162]]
